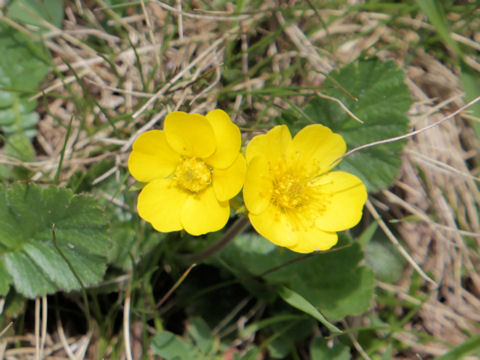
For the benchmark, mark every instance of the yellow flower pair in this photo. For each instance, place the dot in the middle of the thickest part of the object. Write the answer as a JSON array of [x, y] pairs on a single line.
[[194, 167]]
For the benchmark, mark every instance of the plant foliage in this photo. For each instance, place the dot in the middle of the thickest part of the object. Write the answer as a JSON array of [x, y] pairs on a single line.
[[50, 240]]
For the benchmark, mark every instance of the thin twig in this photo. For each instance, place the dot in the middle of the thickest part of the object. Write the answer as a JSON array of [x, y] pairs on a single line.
[[233, 17], [397, 244], [410, 134], [43, 334], [126, 327], [37, 328], [63, 338], [342, 105], [174, 287], [193, 63], [150, 33], [9, 325]]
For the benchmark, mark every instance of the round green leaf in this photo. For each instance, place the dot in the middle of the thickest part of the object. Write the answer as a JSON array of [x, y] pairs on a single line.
[[333, 282], [50, 239]]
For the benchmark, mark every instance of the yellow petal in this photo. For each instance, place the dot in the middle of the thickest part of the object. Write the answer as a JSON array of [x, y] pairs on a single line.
[[160, 203], [346, 197], [275, 226], [317, 145], [258, 187], [152, 157], [228, 182], [272, 145], [228, 139], [190, 135], [313, 240], [203, 213]]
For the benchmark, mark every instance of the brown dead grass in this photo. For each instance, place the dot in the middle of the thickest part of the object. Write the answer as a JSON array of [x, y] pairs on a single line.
[[445, 198]]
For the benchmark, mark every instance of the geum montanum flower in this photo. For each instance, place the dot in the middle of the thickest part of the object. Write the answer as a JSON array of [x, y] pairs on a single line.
[[192, 169], [292, 197]]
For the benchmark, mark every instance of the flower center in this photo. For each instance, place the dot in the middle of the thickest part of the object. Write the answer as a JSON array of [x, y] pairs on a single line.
[[193, 175], [298, 193], [290, 191], [292, 188]]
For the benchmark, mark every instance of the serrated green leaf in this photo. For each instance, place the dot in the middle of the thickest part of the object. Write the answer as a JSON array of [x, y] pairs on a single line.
[[319, 350], [376, 93], [36, 264], [35, 12], [7, 117], [23, 65], [6, 99], [171, 347], [16, 122], [19, 147], [24, 62]]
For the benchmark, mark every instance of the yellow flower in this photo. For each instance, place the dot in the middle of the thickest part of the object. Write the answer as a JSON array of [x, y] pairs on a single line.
[[292, 198], [192, 169]]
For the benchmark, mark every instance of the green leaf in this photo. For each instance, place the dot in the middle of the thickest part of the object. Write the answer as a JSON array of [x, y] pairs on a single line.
[[23, 62], [200, 332], [35, 12], [4, 280], [170, 347], [297, 301], [29, 256], [286, 335], [375, 92], [19, 147], [23, 65], [343, 289], [367, 235], [319, 350], [252, 354], [384, 258], [15, 305], [332, 282]]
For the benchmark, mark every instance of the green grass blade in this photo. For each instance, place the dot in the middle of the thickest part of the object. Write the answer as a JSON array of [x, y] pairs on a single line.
[[462, 350], [299, 302], [435, 14]]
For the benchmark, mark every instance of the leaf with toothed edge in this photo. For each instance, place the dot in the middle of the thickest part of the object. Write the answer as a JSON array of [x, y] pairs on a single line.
[[30, 259], [375, 91]]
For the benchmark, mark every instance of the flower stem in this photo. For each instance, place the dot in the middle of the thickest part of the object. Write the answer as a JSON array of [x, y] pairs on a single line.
[[237, 228]]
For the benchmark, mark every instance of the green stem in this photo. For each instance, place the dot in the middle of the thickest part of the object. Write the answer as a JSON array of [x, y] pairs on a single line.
[[237, 228]]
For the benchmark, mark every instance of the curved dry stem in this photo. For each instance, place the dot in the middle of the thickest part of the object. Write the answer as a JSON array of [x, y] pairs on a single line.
[[410, 134], [397, 244]]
